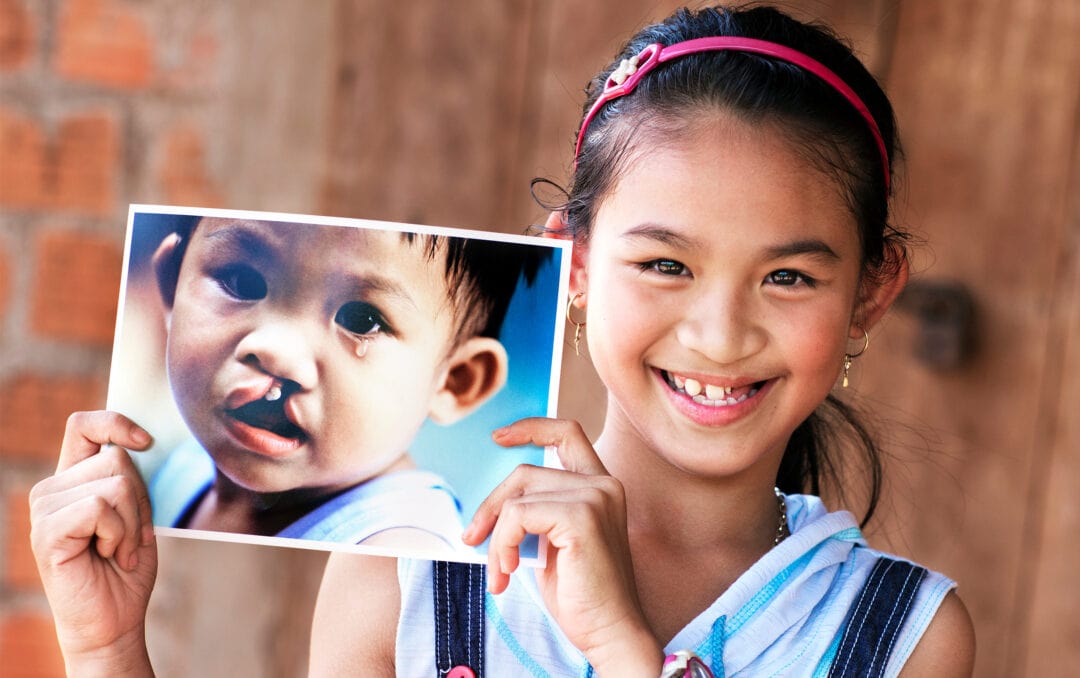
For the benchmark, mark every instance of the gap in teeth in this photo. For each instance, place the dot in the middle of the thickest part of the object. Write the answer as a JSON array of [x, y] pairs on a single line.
[[693, 387]]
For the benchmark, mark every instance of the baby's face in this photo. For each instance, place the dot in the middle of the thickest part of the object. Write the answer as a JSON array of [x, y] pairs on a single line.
[[306, 356]]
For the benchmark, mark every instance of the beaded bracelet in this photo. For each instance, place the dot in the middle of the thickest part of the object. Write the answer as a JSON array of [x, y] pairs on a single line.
[[685, 664]]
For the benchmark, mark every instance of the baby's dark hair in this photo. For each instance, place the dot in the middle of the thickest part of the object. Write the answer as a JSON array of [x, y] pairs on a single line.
[[763, 91], [481, 275]]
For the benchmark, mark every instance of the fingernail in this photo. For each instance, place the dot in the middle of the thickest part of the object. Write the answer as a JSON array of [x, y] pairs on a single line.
[[139, 436], [500, 432]]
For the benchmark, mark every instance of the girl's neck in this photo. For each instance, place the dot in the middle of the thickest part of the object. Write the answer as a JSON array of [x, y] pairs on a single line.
[[668, 504]]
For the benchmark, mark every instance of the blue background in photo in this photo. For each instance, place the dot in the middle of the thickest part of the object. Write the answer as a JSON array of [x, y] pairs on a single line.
[[464, 453]]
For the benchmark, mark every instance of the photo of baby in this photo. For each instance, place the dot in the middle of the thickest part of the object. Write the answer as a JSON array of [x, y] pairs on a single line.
[[304, 356]]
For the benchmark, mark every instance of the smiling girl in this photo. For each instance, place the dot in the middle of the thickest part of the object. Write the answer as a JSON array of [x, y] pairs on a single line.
[[729, 208]]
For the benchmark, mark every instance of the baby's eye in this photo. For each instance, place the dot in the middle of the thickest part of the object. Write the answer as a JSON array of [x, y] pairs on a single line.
[[242, 282], [360, 318], [665, 267], [789, 278]]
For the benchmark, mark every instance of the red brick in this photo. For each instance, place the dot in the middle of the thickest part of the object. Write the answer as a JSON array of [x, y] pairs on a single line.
[[20, 571], [104, 42], [23, 147], [36, 409], [87, 160], [77, 172], [28, 646], [76, 286], [16, 35], [5, 284], [184, 177]]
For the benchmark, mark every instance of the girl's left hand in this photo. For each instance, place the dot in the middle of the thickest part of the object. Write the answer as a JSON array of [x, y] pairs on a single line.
[[588, 584]]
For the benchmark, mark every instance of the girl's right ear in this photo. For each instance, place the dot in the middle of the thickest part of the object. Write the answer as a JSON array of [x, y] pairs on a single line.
[[166, 261], [556, 227]]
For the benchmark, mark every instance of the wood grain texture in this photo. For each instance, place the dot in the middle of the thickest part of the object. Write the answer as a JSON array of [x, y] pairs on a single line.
[[986, 94], [1048, 587]]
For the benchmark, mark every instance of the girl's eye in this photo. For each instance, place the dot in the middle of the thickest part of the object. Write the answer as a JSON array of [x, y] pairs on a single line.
[[360, 318], [789, 278], [242, 282], [665, 267]]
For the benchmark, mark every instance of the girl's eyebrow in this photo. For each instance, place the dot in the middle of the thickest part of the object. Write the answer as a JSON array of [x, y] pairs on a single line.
[[664, 235], [812, 246], [660, 234]]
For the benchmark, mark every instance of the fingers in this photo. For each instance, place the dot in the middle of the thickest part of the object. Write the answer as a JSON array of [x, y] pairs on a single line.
[[86, 432], [65, 533], [108, 488], [522, 480], [575, 451]]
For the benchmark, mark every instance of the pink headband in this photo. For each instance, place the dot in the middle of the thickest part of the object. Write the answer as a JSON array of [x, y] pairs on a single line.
[[624, 80]]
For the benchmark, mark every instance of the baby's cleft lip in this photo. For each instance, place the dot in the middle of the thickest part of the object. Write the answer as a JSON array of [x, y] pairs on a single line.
[[260, 407], [249, 391]]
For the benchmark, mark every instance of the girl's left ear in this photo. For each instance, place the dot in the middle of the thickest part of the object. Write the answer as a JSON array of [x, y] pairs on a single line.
[[477, 370], [877, 296]]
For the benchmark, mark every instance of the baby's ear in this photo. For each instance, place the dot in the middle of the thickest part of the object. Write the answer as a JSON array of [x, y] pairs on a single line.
[[166, 261], [477, 370]]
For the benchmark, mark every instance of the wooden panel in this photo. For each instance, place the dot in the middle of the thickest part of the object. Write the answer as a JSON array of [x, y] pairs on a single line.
[[426, 120], [1053, 629], [986, 94]]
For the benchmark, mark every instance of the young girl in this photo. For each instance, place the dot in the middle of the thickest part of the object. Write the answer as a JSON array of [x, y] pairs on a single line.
[[729, 208]]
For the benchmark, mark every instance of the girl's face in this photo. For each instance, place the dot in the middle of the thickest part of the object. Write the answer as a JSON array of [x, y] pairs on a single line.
[[721, 274], [306, 357]]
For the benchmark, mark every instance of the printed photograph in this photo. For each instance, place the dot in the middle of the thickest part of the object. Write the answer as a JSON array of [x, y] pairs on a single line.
[[332, 383]]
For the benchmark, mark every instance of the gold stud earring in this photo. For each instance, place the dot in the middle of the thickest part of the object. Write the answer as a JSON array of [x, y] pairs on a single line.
[[577, 325], [850, 357]]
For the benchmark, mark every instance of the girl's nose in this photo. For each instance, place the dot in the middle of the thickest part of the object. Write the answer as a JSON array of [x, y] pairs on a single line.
[[282, 349], [722, 327]]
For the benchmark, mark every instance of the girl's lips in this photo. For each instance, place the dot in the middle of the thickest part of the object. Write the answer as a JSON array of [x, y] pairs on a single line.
[[712, 404]]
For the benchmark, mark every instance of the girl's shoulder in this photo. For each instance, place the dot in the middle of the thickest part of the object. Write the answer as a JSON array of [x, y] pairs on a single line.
[[823, 596]]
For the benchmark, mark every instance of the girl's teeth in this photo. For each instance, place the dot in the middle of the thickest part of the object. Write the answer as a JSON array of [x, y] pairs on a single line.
[[714, 392], [692, 387], [679, 382]]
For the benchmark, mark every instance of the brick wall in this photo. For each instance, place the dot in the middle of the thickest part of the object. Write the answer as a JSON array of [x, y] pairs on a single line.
[[105, 103]]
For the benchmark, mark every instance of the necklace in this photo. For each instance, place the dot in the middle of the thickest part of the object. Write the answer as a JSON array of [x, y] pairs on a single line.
[[781, 526]]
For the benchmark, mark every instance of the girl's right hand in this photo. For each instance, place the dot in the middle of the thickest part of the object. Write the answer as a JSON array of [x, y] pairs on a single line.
[[588, 585], [93, 540]]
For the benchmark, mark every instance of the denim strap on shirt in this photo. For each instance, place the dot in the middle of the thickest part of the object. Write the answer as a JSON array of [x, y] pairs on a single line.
[[459, 617], [875, 620]]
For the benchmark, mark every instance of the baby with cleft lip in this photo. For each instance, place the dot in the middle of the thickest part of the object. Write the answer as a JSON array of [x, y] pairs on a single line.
[[304, 360]]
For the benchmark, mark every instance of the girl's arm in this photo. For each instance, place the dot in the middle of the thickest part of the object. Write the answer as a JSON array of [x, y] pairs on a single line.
[[356, 616], [588, 584], [93, 541], [947, 647]]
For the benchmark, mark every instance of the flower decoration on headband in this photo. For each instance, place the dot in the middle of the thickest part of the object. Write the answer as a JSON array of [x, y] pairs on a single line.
[[627, 68], [626, 77]]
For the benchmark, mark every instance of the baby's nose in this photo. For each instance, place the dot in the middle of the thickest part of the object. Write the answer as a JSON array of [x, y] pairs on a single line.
[[282, 349]]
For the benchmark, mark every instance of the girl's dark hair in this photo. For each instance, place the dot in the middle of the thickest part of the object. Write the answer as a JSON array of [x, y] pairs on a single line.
[[817, 120]]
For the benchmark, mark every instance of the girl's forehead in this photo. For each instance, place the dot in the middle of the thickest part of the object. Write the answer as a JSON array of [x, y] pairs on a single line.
[[730, 175]]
